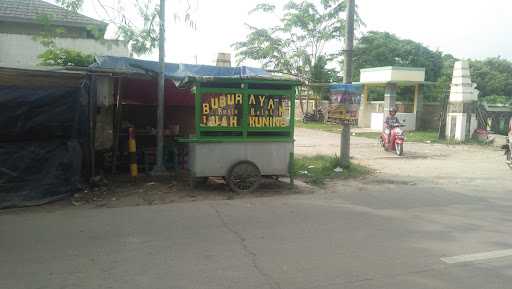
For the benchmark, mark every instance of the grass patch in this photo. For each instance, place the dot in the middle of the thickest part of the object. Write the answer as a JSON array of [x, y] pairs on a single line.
[[317, 169], [328, 127], [411, 136]]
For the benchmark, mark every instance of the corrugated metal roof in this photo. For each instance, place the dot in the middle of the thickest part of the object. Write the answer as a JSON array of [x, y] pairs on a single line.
[[27, 11]]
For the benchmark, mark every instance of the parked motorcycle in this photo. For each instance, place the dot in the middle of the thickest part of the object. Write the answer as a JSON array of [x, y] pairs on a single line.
[[393, 141], [316, 116]]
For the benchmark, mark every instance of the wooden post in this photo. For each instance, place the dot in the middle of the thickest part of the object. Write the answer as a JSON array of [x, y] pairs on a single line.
[[117, 126], [92, 127]]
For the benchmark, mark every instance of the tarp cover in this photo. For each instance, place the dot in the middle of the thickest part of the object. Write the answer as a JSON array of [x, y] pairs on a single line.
[[345, 88], [40, 155], [175, 71], [34, 173]]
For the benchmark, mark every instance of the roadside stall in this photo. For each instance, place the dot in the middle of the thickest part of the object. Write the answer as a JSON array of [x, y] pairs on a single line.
[[231, 122], [244, 129]]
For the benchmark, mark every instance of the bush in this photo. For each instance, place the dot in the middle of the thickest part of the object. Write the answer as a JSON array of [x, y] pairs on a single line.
[[65, 57]]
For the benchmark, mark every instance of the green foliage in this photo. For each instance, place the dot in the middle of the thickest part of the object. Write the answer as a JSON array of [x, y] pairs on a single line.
[[49, 31], [328, 127], [445, 76], [493, 77], [376, 49], [71, 5], [53, 55], [263, 7], [297, 45], [497, 99], [141, 39], [317, 169], [65, 57]]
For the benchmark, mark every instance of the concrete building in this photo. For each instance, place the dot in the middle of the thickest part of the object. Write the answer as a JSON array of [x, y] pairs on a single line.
[[20, 23], [223, 59], [391, 77]]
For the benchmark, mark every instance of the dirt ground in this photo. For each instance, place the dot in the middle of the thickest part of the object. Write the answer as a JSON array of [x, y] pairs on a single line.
[[124, 191], [455, 167], [473, 167]]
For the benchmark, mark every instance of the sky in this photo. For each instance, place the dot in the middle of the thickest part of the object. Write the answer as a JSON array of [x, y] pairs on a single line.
[[465, 28]]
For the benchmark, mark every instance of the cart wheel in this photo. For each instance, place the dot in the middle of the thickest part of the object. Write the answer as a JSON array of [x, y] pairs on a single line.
[[243, 177]]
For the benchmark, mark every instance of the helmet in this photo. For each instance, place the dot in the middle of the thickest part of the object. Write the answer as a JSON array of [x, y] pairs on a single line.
[[393, 109]]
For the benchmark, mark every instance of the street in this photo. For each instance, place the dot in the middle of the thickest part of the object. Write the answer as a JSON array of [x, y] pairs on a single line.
[[396, 229]]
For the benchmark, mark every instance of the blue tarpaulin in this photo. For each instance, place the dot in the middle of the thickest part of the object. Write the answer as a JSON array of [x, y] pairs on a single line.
[[43, 131], [344, 87], [175, 71]]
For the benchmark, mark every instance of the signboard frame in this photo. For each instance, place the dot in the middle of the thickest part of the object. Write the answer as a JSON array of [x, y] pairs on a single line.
[[248, 87], [348, 98]]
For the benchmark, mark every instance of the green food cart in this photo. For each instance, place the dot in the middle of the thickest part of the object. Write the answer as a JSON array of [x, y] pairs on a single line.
[[244, 129]]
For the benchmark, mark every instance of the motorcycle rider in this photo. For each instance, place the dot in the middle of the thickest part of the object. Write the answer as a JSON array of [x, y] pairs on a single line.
[[391, 121]]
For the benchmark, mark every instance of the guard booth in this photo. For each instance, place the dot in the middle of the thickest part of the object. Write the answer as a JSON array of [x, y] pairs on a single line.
[[244, 129], [390, 78]]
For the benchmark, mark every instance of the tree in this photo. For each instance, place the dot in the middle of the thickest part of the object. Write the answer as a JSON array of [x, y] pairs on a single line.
[[493, 77], [141, 33], [298, 45], [376, 49], [54, 55]]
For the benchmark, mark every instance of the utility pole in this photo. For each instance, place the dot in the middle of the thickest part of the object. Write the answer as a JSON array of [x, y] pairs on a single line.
[[159, 168], [347, 79]]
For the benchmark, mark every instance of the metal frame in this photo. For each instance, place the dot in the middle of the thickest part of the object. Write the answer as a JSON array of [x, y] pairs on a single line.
[[244, 128]]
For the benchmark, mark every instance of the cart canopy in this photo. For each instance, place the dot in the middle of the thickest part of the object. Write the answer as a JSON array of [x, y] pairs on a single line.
[[175, 71]]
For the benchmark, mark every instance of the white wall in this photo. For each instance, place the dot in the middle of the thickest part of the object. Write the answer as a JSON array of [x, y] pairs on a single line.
[[407, 119], [407, 75], [377, 121], [460, 126], [387, 74], [375, 76], [22, 50]]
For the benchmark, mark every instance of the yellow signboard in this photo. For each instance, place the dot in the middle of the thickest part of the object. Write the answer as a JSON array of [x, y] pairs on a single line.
[[268, 111], [225, 110], [221, 110]]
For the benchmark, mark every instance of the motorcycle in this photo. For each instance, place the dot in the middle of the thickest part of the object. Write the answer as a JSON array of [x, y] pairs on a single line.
[[316, 116], [393, 141]]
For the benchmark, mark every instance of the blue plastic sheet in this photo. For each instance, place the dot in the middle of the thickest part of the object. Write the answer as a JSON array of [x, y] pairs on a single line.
[[173, 70], [344, 87]]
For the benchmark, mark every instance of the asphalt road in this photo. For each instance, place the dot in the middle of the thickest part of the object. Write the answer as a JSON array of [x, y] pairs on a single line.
[[380, 232]]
